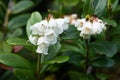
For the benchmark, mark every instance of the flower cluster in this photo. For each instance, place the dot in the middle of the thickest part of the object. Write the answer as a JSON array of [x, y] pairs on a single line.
[[46, 32], [88, 26]]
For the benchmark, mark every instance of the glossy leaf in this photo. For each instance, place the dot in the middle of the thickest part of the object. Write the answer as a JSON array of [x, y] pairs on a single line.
[[87, 8], [104, 47], [53, 51], [18, 21], [110, 22], [58, 59], [16, 33], [35, 17], [21, 42], [103, 62], [1, 36], [74, 58], [115, 4], [22, 6], [70, 33], [17, 41], [101, 76], [5, 48], [28, 27], [67, 47], [14, 61], [23, 74], [100, 7], [75, 75]]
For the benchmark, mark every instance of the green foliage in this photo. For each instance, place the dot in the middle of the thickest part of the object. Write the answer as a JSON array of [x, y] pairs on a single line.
[[18, 21], [22, 5], [5, 48], [15, 61], [35, 17], [67, 34], [23, 74], [101, 76], [100, 7], [103, 62], [21, 42], [17, 41], [104, 47], [71, 49], [110, 22], [58, 59]]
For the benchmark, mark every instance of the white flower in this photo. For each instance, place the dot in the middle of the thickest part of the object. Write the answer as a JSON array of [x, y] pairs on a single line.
[[42, 48], [46, 32], [42, 40], [33, 39], [62, 23], [98, 26], [51, 36], [39, 28], [89, 26], [70, 18], [43, 45]]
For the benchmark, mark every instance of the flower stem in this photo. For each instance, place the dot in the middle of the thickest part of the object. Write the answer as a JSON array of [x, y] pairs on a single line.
[[87, 55], [38, 65]]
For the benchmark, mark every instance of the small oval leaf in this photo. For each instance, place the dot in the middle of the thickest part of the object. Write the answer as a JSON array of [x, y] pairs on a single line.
[[58, 59], [22, 5], [23, 74], [15, 61]]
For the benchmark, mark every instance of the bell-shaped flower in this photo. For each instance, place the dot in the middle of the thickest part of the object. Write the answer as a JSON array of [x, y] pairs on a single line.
[[39, 28], [33, 39], [42, 48], [51, 36], [62, 23], [43, 45]]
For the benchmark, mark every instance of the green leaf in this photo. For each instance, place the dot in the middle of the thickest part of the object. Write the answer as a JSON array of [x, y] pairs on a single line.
[[22, 6], [21, 42], [28, 27], [110, 22], [74, 57], [14, 61], [23, 74], [35, 17], [58, 59], [87, 8], [16, 33], [17, 41], [3, 5], [114, 5], [75, 75], [67, 34], [101, 76], [103, 62], [53, 51], [100, 7], [104, 47], [116, 41], [70, 3], [18, 21], [5, 48], [67, 47], [1, 36]]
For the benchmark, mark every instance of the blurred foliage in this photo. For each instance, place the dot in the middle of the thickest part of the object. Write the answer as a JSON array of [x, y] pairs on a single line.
[[105, 49]]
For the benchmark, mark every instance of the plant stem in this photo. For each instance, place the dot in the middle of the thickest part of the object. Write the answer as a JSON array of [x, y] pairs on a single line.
[[87, 55], [38, 65], [8, 12]]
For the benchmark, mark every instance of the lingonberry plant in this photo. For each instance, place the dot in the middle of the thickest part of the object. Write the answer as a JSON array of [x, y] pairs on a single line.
[[83, 42]]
